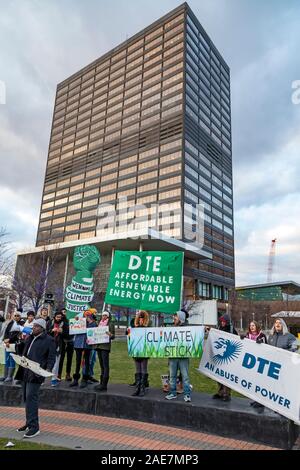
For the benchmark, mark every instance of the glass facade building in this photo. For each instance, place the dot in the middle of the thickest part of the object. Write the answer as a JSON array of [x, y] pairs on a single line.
[[150, 122]]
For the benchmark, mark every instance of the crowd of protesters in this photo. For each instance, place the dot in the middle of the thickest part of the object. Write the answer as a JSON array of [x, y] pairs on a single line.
[[48, 341]]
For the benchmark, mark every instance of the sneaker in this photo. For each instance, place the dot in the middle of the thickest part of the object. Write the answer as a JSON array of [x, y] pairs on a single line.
[[31, 433], [187, 398], [23, 428], [171, 396], [54, 382]]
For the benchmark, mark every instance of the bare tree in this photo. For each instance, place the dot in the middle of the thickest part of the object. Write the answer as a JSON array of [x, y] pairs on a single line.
[[7, 261], [33, 274]]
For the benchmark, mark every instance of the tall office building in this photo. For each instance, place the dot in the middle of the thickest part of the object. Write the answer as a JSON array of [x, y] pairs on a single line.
[[150, 122]]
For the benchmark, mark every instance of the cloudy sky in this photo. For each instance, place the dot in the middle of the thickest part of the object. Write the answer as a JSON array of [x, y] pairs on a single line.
[[43, 42]]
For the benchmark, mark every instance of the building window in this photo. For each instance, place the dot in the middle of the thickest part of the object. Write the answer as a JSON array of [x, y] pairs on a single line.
[[204, 289]]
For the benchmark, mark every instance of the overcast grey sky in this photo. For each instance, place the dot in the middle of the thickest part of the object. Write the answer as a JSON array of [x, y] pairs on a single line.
[[43, 42]]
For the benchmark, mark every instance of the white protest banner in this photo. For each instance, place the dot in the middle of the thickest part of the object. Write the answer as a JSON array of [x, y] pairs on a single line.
[[97, 335], [268, 375], [77, 326], [182, 341], [31, 365]]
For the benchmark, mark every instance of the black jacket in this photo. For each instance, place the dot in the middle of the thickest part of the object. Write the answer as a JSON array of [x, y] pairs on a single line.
[[12, 336], [43, 352]]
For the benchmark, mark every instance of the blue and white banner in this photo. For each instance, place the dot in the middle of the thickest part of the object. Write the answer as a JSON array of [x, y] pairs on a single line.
[[268, 375]]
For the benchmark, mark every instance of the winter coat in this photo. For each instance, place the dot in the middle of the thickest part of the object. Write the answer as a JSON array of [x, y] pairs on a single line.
[[12, 336], [43, 352], [107, 346], [261, 338], [287, 341], [58, 338]]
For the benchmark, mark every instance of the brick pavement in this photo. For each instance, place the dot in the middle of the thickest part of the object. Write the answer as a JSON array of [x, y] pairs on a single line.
[[89, 432]]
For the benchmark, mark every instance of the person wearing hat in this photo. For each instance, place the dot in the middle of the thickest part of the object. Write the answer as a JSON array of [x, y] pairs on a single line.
[[83, 351], [93, 357], [179, 363], [103, 351], [224, 393], [39, 347]]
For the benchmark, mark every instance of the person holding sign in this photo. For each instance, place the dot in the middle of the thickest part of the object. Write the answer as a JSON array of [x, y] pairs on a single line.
[[10, 338], [103, 351], [83, 350], [40, 348], [141, 364], [181, 363], [281, 338], [255, 334], [224, 393]]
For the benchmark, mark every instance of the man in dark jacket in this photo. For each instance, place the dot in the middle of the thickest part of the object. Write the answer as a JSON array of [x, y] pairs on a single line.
[[224, 393], [40, 348]]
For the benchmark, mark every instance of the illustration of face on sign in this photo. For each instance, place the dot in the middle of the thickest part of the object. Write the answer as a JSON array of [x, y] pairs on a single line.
[[226, 350]]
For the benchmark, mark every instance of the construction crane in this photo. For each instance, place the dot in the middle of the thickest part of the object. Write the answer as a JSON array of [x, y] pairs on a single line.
[[271, 260]]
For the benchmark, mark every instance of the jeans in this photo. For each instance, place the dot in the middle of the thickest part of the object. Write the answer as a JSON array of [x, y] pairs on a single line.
[[55, 368], [93, 357], [31, 399], [68, 347], [9, 362], [183, 366]]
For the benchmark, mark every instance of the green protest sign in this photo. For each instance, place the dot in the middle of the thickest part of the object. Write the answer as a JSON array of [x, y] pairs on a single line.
[[80, 292], [146, 280], [183, 341]]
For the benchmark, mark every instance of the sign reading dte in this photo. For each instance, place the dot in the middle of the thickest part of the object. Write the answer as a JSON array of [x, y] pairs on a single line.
[[136, 261], [272, 370]]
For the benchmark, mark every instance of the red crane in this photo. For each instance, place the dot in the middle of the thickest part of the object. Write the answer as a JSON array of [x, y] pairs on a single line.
[[271, 260]]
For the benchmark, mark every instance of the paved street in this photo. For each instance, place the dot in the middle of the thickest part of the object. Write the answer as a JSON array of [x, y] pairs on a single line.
[[81, 431]]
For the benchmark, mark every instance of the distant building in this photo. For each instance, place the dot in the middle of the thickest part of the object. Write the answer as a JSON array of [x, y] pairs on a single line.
[[269, 291], [150, 121]]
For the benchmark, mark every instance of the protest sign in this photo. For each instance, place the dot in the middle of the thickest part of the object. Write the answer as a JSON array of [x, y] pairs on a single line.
[[147, 280], [77, 326], [31, 365], [184, 341], [80, 292], [97, 335], [267, 375]]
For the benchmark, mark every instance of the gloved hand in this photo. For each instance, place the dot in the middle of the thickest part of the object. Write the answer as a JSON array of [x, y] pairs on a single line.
[[259, 340], [242, 336]]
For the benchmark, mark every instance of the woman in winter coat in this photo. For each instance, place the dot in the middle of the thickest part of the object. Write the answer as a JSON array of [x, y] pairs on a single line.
[[83, 350], [58, 328], [281, 338], [11, 337], [103, 351], [141, 363], [254, 333]]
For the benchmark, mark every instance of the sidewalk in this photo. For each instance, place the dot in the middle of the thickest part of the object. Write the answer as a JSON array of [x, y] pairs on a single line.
[[88, 432]]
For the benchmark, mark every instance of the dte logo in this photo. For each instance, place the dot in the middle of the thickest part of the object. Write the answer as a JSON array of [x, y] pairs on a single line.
[[272, 370]]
